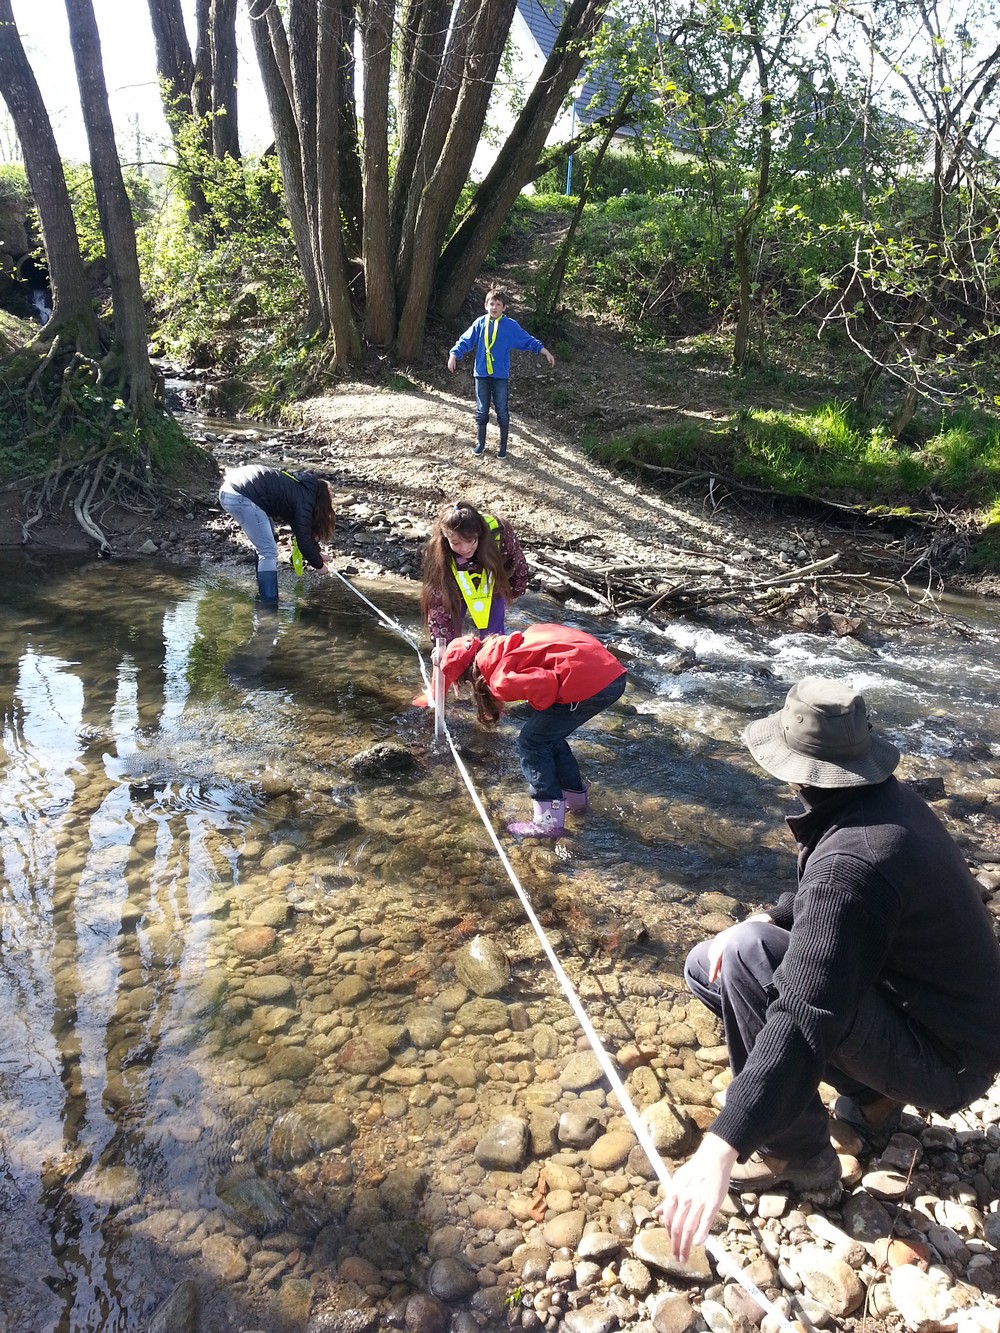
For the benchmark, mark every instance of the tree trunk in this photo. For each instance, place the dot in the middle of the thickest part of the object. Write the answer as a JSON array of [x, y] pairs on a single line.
[[425, 29], [72, 306], [175, 67], [201, 83], [351, 206], [117, 223], [272, 57], [174, 64], [302, 39], [744, 229], [380, 299], [469, 244], [334, 25], [439, 196], [222, 53]]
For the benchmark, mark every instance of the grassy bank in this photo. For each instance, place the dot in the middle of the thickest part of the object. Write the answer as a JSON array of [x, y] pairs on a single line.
[[825, 453]]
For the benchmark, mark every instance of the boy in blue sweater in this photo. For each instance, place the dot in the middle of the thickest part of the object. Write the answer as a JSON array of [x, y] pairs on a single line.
[[494, 336]]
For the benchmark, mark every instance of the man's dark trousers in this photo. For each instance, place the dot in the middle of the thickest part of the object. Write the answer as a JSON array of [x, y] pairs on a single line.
[[883, 1054]]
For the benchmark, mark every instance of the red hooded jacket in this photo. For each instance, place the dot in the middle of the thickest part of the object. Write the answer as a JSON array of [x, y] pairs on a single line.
[[546, 664]]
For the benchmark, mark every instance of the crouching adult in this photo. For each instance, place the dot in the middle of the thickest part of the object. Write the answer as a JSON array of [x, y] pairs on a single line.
[[879, 975]]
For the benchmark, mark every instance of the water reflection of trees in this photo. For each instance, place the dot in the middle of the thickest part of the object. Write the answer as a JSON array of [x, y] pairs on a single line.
[[102, 878]]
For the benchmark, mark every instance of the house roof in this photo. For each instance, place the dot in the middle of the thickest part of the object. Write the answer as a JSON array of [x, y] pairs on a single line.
[[601, 91], [598, 95]]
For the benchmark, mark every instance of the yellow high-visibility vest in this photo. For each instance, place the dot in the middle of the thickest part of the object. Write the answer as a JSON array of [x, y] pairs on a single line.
[[477, 589], [488, 342]]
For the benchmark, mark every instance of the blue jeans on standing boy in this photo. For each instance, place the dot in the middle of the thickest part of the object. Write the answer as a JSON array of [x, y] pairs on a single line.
[[487, 387], [548, 764], [883, 1052]]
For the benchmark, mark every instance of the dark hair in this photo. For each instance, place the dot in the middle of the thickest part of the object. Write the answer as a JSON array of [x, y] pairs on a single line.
[[499, 293], [323, 518], [462, 520]]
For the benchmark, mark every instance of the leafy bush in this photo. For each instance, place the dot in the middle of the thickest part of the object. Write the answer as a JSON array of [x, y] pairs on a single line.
[[625, 170], [80, 183], [14, 185], [225, 288]]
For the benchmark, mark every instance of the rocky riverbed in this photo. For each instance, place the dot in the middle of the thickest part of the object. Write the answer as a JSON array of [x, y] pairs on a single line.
[[459, 1163]]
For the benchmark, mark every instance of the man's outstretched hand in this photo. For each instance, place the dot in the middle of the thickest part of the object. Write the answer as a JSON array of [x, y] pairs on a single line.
[[695, 1195]]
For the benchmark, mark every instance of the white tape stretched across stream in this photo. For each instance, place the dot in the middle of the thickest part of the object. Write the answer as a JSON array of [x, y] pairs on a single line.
[[723, 1261]]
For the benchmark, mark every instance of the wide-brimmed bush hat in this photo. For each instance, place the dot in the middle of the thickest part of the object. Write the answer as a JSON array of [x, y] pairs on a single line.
[[822, 738]]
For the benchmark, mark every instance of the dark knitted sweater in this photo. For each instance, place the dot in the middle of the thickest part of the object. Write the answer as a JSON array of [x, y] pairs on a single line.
[[885, 899]]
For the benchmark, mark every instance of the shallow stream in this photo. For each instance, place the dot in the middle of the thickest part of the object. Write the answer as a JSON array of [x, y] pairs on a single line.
[[235, 1046]]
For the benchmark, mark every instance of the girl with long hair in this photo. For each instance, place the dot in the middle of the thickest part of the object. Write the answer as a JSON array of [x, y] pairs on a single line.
[[472, 565], [567, 677], [257, 497]]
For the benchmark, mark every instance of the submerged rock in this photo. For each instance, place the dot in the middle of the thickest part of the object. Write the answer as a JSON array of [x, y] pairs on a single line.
[[482, 966], [253, 1200], [504, 1146], [298, 1136], [382, 760], [179, 1313]]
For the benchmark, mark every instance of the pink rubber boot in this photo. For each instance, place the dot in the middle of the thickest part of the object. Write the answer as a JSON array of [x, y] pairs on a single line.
[[575, 802], [547, 821]]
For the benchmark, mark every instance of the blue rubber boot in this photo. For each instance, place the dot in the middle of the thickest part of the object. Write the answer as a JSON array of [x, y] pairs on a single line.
[[267, 585]]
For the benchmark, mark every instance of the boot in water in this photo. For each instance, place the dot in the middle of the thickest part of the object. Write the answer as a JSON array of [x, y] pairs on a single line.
[[575, 802], [546, 821], [267, 585]]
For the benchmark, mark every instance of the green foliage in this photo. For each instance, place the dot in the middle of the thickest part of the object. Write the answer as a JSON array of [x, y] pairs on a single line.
[[225, 288], [530, 214], [827, 452], [985, 553], [14, 191], [80, 183], [627, 170], [648, 263]]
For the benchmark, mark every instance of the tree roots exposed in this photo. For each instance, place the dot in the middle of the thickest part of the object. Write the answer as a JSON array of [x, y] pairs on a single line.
[[100, 461]]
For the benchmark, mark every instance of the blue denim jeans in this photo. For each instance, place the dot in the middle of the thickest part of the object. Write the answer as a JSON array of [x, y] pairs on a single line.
[[548, 764], [257, 526], [884, 1053], [487, 387]]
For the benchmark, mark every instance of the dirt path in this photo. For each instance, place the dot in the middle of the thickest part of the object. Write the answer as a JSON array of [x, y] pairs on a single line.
[[413, 451]]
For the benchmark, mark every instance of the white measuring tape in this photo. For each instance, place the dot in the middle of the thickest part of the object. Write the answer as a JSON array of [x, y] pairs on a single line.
[[724, 1262]]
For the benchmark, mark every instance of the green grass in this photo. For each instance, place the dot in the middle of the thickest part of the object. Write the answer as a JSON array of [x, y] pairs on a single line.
[[825, 452]]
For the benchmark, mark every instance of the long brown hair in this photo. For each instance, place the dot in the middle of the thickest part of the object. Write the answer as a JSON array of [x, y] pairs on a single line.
[[488, 706], [462, 520], [323, 520]]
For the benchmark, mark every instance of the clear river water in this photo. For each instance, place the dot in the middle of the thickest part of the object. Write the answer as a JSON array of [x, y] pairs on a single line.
[[231, 1018]]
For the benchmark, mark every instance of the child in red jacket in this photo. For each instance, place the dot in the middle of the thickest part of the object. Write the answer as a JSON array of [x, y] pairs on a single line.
[[568, 677]]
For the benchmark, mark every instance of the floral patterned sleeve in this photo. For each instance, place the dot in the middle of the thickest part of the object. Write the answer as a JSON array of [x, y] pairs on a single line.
[[440, 624], [514, 561]]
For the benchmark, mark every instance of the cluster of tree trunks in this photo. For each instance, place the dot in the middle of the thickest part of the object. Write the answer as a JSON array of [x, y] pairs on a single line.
[[379, 250]]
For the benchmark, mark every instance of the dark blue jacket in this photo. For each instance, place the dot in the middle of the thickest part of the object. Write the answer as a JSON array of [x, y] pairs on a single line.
[[285, 497]]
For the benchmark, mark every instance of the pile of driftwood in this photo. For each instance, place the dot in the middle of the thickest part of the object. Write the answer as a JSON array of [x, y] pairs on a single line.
[[685, 582]]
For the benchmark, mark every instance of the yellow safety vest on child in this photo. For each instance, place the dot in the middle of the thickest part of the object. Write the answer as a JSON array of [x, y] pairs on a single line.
[[477, 589]]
